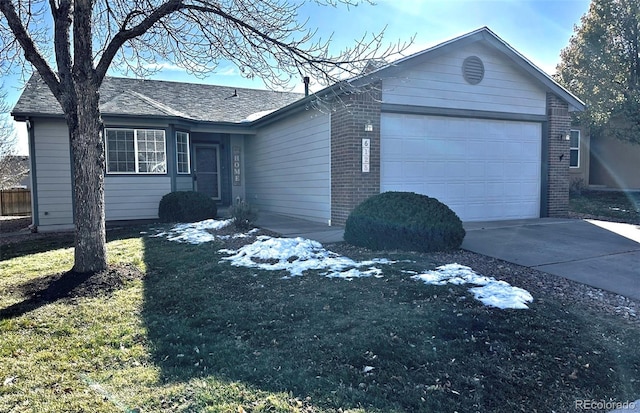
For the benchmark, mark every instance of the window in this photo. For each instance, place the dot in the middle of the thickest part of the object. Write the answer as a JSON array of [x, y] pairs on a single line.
[[136, 151], [182, 153], [574, 149]]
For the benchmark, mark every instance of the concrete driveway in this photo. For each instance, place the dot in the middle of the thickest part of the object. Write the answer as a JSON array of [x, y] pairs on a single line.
[[601, 254]]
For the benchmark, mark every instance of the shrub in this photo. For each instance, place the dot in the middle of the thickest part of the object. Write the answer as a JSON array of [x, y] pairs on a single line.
[[186, 206], [404, 221], [576, 186], [244, 215]]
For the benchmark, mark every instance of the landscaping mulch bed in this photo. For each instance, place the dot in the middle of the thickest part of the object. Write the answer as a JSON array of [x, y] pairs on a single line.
[[69, 286]]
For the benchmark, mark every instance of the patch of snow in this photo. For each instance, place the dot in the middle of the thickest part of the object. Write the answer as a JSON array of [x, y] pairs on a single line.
[[257, 115], [297, 255], [196, 232], [503, 295], [491, 292], [240, 235]]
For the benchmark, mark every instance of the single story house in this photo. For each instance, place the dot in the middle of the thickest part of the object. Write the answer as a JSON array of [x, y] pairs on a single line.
[[603, 162], [470, 121]]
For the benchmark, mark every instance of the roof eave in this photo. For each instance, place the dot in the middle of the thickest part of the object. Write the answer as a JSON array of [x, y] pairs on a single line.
[[540, 75], [239, 127]]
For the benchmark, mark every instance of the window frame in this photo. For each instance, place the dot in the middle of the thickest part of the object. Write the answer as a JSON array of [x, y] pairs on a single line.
[[574, 148], [136, 151], [187, 153]]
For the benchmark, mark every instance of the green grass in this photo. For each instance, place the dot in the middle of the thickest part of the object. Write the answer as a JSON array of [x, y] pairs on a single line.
[[197, 335], [614, 205]]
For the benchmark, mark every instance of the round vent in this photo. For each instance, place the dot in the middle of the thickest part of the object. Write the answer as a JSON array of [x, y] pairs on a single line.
[[473, 70]]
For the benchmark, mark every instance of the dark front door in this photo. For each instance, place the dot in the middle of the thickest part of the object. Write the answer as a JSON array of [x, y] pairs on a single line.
[[207, 170]]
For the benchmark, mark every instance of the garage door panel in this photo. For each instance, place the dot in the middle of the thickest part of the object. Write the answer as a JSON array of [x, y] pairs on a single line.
[[394, 148], [435, 171], [483, 169], [495, 170], [413, 170], [413, 145], [512, 150], [494, 190]]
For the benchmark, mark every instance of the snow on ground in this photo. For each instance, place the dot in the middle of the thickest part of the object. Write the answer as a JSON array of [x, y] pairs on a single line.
[[297, 255], [491, 292], [194, 233]]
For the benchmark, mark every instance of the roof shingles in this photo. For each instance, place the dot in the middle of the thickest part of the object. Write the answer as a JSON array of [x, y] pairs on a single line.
[[153, 98]]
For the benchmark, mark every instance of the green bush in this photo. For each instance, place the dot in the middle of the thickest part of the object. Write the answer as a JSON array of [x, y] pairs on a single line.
[[404, 221], [186, 206], [244, 215]]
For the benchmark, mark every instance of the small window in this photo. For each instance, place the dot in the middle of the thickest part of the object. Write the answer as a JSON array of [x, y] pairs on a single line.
[[136, 151], [182, 153], [574, 149]]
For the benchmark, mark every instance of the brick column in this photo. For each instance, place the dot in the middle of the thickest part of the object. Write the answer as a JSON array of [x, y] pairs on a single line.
[[349, 185], [558, 168]]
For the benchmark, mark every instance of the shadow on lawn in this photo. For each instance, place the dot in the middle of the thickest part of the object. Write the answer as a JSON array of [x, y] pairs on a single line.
[[35, 243], [389, 344], [45, 290]]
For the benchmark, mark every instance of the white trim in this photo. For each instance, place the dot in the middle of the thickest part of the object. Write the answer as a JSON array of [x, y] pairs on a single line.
[[188, 153], [135, 154], [574, 148]]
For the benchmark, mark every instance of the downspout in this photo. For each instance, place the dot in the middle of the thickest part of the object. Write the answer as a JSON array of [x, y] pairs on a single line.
[[35, 219]]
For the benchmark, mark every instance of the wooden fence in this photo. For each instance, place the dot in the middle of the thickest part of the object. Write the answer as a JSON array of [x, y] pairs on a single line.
[[15, 202]]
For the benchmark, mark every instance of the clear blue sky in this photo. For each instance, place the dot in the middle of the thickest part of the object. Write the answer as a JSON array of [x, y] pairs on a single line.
[[538, 29]]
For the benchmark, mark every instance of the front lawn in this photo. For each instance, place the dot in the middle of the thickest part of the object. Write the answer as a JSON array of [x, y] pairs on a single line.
[[175, 328], [606, 205]]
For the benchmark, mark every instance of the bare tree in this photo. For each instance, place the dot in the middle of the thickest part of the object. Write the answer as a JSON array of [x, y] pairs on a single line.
[[264, 39], [12, 169]]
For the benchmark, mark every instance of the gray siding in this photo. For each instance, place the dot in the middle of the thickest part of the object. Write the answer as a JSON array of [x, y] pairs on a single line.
[[134, 197], [287, 167], [53, 171], [184, 183], [440, 83]]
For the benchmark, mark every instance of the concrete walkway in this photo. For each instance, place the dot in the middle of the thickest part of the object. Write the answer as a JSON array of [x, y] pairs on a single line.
[[601, 254], [295, 227]]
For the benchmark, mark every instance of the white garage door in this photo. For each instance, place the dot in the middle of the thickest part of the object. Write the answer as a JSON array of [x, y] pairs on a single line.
[[482, 169]]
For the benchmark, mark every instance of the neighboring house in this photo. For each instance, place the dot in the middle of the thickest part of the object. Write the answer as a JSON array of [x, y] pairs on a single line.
[[470, 122], [579, 159], [603, 163], [614, 164]]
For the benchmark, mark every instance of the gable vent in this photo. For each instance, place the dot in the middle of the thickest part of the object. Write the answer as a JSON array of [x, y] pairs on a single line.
[[473, 70]]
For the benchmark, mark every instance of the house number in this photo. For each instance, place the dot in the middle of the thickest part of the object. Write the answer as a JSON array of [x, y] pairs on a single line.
[[366, 147], [237, 168]]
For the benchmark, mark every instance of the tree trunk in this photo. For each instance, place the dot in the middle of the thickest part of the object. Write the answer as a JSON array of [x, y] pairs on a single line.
[[88, 179]]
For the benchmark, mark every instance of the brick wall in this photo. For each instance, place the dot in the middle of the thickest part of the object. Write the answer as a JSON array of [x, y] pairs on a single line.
[[558, 169], [349, 185]]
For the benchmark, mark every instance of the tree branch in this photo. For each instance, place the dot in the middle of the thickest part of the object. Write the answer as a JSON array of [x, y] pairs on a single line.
[[62, 22], [127, 34], [30, 51]]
